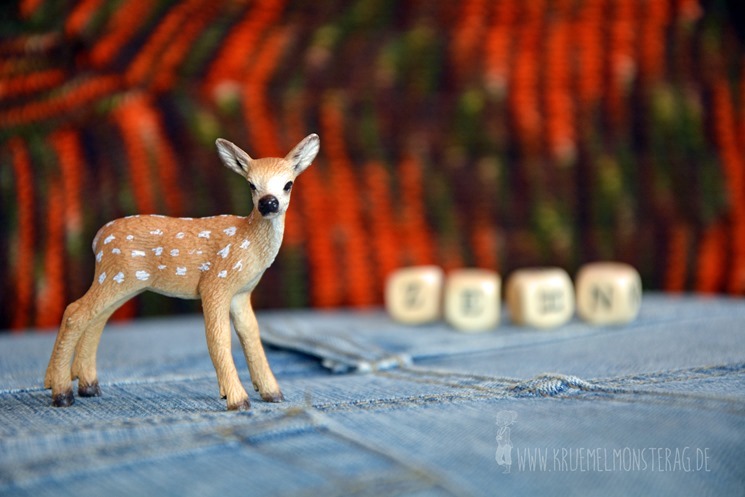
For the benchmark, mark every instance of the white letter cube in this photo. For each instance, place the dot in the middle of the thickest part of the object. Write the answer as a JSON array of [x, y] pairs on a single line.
[[608, 293], [540, 297], [414, 295], [472, 299]]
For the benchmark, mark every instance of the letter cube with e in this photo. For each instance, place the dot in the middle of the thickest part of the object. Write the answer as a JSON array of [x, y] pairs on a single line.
[[608, 293], [472, 299], [540, 297], [414, 295]]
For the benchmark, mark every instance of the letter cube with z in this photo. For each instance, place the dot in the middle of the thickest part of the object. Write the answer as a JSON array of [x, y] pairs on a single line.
[[414, 295], [540, 297], [472, 299], [608, 293]]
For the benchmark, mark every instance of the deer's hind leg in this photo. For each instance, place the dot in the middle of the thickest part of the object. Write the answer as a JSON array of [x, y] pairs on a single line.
[[84, 364], [85, 315]]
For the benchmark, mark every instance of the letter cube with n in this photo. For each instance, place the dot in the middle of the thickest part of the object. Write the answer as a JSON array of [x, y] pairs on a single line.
[[608, 293], [472, 299], [414, 295], [540, 297]]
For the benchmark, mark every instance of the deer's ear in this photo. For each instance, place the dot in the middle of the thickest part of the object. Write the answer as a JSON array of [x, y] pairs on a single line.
[[233, 157], [304, 152]]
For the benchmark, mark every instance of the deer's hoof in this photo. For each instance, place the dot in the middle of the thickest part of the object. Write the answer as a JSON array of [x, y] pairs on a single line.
[[244, 405], [273, 396], [64, 399], [92, 390]]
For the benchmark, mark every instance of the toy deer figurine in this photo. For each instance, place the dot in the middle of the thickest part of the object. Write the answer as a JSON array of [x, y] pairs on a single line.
[[217, 259]]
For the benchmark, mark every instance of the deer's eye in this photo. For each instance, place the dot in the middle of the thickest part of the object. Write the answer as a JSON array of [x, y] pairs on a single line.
[[288, 186], [252, 186]]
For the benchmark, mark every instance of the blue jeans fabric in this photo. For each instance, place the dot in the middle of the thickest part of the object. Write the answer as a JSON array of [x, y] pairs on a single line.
[[654, 407]]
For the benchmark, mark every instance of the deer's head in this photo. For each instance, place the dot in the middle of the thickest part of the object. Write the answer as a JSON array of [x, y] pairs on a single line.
[[270, 179]]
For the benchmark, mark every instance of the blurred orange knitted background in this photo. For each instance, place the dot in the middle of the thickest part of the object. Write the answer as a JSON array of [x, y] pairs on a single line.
[[495, 134]]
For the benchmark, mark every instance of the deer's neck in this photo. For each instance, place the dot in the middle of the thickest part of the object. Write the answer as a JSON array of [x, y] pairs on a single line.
[[265, 235]]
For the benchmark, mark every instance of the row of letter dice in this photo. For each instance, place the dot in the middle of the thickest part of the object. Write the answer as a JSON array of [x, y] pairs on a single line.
[[606, 293]]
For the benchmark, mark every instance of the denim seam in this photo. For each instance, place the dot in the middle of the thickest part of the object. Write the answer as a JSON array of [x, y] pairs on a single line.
[[682, 374], [560, 385], [385, 451], [204, 438], [399, 481], [294, 420]]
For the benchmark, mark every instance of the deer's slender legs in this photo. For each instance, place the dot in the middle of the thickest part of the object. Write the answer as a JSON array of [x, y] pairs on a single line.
[[247, 328], [85, 314], [217, 325], [84, 363]]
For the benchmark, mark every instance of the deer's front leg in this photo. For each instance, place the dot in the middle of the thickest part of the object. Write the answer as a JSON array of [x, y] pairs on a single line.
[[247, 328], [217, 325]]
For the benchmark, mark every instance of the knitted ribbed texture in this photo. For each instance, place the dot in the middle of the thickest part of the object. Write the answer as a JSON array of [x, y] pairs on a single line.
[[495, 134]]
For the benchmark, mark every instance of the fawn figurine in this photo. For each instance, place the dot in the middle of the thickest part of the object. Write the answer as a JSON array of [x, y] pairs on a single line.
[[218, 259]]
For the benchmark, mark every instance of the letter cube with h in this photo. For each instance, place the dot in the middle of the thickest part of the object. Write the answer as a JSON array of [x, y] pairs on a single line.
[[540, 297]]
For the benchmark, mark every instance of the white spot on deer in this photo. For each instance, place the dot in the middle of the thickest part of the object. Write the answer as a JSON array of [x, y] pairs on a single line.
[[130, 237], [108, 239], [161, 266], [225, 251], [204, 234], [180, 235], [132, 217], [109, 224], [119, 277], [157, 215], [158, 250], [174, 253], [205, 266], [138, 253], [142, 275], [238, 265], [99, 256], [157, 232], [188, 218], [180, 271], [102, 278], [116, 251], [222, 274], [230, 231], [245, 244]]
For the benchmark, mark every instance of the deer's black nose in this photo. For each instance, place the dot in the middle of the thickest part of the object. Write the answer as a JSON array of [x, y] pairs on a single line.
[[268, 204]]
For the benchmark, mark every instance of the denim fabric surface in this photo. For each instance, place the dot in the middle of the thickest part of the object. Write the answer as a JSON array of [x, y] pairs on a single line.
[[656, 407]]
